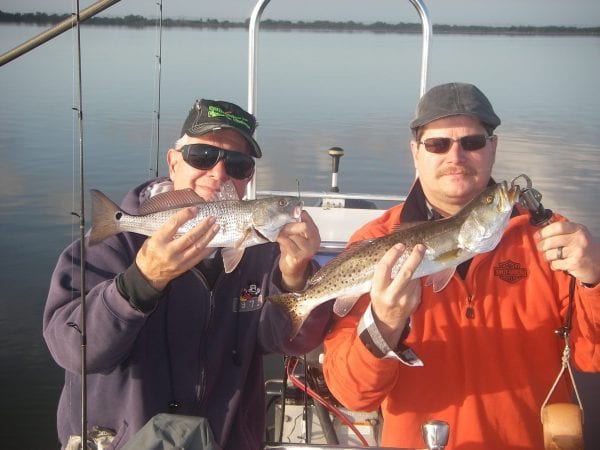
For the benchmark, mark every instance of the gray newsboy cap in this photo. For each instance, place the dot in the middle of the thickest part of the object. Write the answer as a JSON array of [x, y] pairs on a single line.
[[453, 99]]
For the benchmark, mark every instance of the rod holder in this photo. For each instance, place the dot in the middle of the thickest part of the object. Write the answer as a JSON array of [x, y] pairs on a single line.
[[336, 153]]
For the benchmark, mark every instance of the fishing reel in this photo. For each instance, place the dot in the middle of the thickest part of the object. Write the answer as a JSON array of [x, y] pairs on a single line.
[[530, 199]]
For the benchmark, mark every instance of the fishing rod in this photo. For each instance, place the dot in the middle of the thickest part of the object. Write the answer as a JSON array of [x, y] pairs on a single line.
[[158, 86], [56, 30], [76, 21], [81, 215]]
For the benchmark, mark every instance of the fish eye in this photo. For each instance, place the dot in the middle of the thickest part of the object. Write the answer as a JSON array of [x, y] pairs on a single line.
[[283, 202], [489, 199]]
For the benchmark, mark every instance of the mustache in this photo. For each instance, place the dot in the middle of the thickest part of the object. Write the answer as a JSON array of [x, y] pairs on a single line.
[[457, 170]]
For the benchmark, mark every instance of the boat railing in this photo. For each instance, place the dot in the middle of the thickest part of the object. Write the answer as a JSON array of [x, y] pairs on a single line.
[[335, 213], [254, 26], [253, 30]]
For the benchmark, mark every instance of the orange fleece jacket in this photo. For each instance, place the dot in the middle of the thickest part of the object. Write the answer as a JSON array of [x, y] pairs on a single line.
[[487, 376]]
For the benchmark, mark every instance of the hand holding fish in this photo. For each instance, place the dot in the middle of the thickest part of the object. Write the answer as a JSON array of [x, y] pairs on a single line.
[[569, 246], [163, 258], [394, 299], [298, 242]]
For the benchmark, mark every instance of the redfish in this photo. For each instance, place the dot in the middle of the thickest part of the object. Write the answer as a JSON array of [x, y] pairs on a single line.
[[243, 223]]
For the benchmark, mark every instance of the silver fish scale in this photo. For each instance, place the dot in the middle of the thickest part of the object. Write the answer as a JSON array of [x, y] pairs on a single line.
[[235, 218]]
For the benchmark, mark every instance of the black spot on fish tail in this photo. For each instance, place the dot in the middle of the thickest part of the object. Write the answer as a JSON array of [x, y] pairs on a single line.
[[103, 217], [289, 304]]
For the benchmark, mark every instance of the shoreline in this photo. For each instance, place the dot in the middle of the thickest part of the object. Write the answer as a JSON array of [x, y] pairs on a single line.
[[134, 21]]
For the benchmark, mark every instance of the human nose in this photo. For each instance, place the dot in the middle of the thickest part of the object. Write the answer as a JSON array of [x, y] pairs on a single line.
[[456, 151], [218, 170]]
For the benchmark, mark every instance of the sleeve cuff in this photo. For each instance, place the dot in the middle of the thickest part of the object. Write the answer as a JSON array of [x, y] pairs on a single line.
[[132, 285], [373, 340], [311, 269]]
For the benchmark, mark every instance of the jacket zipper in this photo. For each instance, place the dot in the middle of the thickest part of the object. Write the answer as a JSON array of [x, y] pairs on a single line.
[[470, 312], [201, 390]]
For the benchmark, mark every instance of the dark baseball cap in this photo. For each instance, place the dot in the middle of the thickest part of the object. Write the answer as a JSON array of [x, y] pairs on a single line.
[[454, 99], [211, 115]]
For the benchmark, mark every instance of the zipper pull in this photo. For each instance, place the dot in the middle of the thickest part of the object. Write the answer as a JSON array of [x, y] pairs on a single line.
[[470, 312]]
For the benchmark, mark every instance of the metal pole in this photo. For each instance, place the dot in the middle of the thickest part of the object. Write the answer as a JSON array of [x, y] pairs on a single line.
[[51, 33], [426, 31], [252, 71]]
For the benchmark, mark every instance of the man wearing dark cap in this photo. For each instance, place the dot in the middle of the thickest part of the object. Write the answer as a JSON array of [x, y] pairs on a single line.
[[481, 354], [168, 330]]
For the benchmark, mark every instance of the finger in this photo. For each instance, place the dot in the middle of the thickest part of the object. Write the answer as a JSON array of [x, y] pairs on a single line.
[[305, 226], [295, 254], [409, 266], [556, 229], [200, 236], [288, 245], [294, 228], [383, 271], [299, 238], [573, 236], [291, 229], [307, 219], [311, 229], [168, 230]]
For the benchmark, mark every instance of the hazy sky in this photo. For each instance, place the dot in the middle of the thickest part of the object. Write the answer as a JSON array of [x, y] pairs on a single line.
[[452, 12]]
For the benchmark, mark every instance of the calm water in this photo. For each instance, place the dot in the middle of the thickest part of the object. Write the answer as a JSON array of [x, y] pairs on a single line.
[[316, 90]]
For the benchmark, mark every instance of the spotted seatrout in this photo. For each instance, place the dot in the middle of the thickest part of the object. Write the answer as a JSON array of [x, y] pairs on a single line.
[[476, 228]]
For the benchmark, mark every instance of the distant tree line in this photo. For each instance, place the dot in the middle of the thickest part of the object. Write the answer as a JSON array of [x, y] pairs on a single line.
[[317, 25]]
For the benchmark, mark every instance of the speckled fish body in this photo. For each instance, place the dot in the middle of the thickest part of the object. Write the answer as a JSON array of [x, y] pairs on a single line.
[[477, 228]]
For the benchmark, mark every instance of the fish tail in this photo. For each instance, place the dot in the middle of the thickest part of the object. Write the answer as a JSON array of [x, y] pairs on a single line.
[[103, 217], [289, 303]]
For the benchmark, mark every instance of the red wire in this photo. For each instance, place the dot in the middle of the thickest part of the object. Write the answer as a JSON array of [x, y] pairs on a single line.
[[321, 400]]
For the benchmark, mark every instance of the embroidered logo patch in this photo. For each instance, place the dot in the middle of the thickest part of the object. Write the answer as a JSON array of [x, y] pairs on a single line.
[[510, 271], [250, 299]]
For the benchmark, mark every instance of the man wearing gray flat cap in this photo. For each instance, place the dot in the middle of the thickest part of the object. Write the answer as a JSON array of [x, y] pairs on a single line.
[[481, 353]]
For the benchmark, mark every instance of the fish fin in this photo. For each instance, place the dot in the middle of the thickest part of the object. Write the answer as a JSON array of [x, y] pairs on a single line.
[[289, 303], [231, 258], [104, 223], [170, 200], [344, 304], [406, 225], [267, 235], [249, 237], [449, 255], [440, 279]]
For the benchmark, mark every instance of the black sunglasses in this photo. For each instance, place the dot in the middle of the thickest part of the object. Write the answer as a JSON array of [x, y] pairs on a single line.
[[443, 144], [204, 157]]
